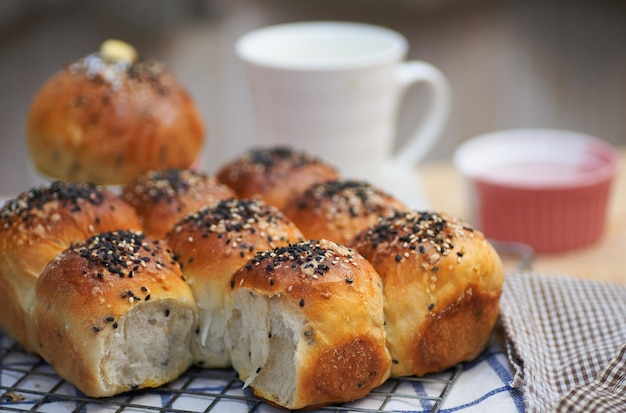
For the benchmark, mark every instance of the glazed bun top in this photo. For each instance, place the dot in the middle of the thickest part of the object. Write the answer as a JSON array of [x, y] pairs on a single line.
[[214, 241], [119, 268], [41, 222], [109, 116], [435, 243], [275, 174], [339, 209], [161, 198]]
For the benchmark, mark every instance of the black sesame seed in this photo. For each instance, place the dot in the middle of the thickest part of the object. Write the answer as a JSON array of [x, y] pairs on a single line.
[[398, 258], [110, 318], [349, 280], [96, 329], [114, 325], [302, 303], [431, 306], [147, 297], [167, 312], [258, 370]]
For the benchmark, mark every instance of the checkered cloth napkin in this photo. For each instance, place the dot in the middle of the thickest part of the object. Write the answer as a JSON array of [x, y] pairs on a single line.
[[566, 339]]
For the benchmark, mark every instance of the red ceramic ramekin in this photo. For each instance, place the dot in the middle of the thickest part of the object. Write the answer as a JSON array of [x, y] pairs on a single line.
[[542, 187]]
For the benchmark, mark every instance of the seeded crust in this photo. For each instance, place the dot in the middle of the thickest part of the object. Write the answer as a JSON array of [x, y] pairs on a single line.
[[322, 339], [36, 226], [107, 122], [275, 174], [442, 283], [114, 314], [337, 210], [210, 245], [162, 198]]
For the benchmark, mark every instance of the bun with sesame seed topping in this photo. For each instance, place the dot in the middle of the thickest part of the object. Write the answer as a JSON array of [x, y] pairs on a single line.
[[36, 226], [210, 245], [337, 210], [113, 314], [274, 174], [307, 325], [161, 198], [442, 282], [109, 117]]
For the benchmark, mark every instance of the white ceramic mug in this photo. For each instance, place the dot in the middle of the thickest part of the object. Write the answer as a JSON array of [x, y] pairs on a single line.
[[334, 89]]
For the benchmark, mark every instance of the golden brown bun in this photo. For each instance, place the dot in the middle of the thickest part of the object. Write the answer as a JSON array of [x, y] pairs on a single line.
[[338, 210], [161, 198], [106, 122], [36, 226], [210, 245], [307, 326], [275, 174], [442, 283], [113, 314]]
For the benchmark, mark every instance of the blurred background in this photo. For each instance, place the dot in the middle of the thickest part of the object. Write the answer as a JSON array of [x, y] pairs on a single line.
[[527, 63]]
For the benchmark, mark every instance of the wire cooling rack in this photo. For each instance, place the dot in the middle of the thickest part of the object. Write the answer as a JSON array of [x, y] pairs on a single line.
[[27, 383]]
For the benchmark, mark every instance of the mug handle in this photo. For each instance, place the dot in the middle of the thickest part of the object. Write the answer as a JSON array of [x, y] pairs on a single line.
[[408, 74]]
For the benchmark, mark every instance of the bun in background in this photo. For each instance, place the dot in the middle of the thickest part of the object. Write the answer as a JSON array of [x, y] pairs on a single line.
[[161, 198], [337, 210], [109, 117], [275, 174]]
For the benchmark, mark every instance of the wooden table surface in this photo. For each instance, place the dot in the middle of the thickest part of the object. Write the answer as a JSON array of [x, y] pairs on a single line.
[[603, 261]]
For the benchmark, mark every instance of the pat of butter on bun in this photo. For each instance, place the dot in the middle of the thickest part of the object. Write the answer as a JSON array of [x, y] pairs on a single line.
[[118, 50]]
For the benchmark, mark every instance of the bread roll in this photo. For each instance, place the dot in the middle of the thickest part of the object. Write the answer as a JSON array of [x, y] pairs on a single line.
[[107, 118], [442, 283], [113, 314], [161, 198], [275, 174], [338, 210], [210, 245], [307, 325], [36, 226]]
